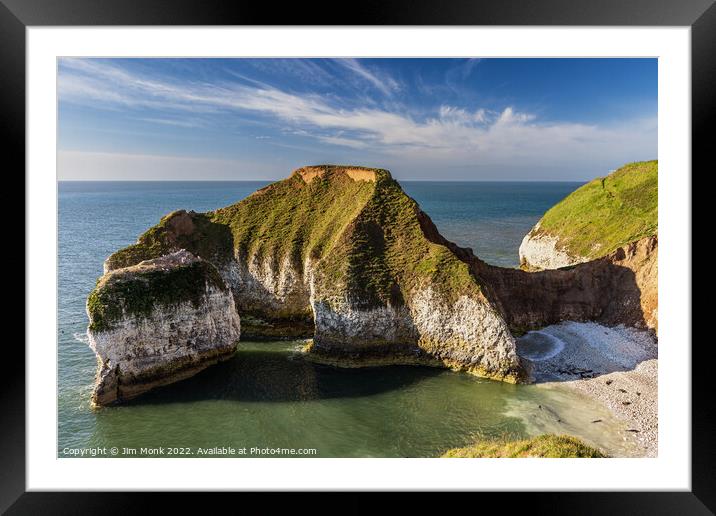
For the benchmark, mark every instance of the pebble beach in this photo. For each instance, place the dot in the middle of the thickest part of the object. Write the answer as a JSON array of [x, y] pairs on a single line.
[[618, 366]]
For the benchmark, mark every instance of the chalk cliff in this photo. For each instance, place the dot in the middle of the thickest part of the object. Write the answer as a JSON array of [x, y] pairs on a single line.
[[340, 254]]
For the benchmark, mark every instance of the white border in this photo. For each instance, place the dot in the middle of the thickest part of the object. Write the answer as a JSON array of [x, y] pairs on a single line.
[[671, 470]]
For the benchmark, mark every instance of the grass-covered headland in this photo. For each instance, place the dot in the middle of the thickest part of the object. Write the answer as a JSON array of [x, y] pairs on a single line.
[[543, 446], [358, 222], [607, 212], [362, 245]]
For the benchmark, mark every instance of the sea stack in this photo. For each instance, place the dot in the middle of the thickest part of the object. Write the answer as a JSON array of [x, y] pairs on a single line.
[[157, 322]]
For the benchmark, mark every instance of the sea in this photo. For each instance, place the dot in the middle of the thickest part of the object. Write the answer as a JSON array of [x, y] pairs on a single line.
[[267, 401]]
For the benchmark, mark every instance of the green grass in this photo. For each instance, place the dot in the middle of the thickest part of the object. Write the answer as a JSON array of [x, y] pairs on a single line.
[[208, 239], [607, 212], [294, 219], [543, 446], [383, 255]]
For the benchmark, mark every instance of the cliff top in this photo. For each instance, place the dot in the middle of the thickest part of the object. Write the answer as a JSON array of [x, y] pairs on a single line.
[[542, 446], [607, 212], [356, 173], [168, 280], [356, 221]]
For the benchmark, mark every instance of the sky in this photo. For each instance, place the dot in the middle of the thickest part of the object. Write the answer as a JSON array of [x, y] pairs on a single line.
[[423, 119]]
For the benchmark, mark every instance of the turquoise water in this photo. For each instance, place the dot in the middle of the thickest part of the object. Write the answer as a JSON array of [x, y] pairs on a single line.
[[268, 396]]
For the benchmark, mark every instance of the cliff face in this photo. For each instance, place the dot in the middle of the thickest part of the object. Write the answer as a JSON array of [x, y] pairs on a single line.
[[620, 288], [638, 296], [157, 322], [386, 290], [596, 219], [541, 250]]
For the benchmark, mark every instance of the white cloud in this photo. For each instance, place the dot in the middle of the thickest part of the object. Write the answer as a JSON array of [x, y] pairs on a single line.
[[508, 116], [462, 116], [189, 124], [344, 142]]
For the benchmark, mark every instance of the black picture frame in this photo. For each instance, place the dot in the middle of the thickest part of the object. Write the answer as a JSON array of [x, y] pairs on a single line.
[[17, 15]]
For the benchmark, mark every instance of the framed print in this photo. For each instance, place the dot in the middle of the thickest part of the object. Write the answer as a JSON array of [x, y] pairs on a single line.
[[415, 253]]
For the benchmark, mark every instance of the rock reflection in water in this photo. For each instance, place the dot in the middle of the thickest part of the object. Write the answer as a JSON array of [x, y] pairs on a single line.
[[265, 375]]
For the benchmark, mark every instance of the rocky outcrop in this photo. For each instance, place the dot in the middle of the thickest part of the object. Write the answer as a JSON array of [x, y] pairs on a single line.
[[467, 335], [157, 322], [539, 251], [340, 254]]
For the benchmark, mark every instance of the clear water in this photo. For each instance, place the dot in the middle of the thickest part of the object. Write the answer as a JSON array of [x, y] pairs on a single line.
[[267, 395]]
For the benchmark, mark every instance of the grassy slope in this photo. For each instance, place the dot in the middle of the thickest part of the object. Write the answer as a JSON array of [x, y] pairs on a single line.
[[295, 219], [611, 211], [209, 240], [383, 255], [366, 232], [543, 446]]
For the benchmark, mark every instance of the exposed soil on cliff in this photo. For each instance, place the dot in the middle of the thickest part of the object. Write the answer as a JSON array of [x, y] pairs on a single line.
[[620, 288], [356, 173]]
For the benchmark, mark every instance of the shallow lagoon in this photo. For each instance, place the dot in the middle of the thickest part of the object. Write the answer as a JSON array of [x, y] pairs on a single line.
[[268, 395]]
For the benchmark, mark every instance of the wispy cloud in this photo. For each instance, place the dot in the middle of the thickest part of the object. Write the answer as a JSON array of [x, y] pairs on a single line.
[[386, 84], [306, 71], [469, 66], [458, 115], [189, 124]]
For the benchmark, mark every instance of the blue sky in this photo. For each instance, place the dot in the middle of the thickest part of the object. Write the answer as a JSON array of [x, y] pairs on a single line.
[[424, 119]]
